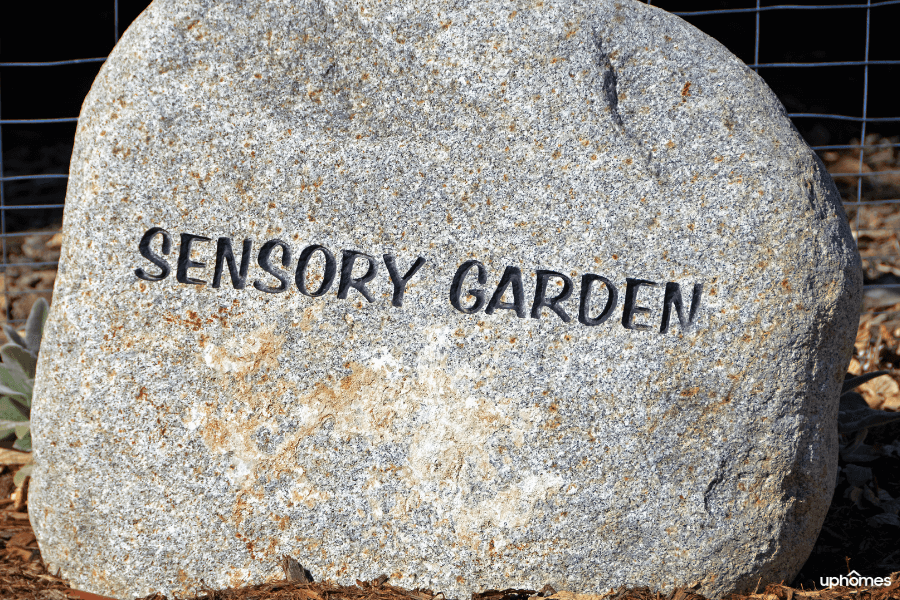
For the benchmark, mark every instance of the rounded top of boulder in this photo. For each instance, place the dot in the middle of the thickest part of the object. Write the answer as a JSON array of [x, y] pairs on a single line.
[[478, 294]]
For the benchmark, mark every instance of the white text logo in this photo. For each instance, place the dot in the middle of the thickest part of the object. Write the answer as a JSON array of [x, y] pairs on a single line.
[[854, 579]]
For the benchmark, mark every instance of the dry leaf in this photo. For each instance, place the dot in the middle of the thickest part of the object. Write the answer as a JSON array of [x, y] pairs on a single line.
[[13, 457], [880, 391], [55, 242], [845, 167]]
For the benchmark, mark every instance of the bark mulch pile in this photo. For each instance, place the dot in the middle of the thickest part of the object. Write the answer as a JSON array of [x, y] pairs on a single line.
[[22, 572], [374, 591]]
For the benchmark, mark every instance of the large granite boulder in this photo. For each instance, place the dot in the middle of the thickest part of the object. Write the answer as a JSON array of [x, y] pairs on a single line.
[[472, 294]]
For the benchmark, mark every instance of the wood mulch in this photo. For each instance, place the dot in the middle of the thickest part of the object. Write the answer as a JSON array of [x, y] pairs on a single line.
[[22, 572], [372, 591]]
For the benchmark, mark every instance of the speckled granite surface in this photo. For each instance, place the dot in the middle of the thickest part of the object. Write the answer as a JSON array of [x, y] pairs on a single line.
[[195, 427]]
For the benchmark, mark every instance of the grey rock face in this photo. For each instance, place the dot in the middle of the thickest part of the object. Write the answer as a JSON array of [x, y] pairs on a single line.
[[191, 428]]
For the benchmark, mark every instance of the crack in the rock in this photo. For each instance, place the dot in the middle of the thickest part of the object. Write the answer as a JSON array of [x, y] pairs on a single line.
[[610, 82], [610, 87], [716, 480]]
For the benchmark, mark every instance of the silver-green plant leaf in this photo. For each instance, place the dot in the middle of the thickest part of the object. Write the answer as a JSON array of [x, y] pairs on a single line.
[[864, 453], [7, 428], [855, 415], [24, 442], [13, 336], [23, 407], [857, 476], [8, 391], [14, 380], [884, 519], [10, 417], [23, 474], [17, 372], [13, 354], [17, 378], [11, 425], [34, 327]]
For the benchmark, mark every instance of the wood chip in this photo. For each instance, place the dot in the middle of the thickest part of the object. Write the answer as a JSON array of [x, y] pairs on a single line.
[[21, 553], [21, 539], [13, 457], [19, 516], [294, 571]]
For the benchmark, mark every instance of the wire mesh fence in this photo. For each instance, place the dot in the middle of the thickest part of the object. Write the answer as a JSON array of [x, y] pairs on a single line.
[[29, 255], [865, 167], [864, 162]]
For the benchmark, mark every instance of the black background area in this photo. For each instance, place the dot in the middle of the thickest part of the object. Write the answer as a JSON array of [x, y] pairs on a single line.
[[39, 31], [804, 36]]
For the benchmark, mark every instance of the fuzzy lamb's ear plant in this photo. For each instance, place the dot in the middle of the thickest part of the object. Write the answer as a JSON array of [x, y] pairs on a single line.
[[34, 329], [854, 414], [17, 373]]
